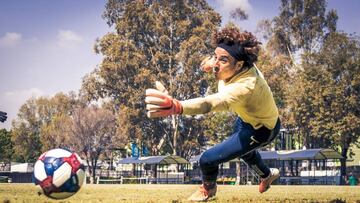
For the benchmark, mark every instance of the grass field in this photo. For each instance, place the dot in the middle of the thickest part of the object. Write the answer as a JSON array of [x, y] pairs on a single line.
[[179, 193]]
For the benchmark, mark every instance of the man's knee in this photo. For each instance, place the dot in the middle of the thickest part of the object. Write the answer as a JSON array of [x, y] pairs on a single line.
[[206, 160]]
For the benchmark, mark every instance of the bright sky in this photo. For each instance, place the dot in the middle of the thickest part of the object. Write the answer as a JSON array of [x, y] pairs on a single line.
[[46, 46]]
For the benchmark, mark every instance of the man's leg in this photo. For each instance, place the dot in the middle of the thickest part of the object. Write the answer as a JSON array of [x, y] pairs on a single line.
[[253, 159], [229, 149], [225, 151], [268, 175]]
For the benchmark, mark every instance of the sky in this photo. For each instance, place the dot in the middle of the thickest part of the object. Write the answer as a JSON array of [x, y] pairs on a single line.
[[46, 46]]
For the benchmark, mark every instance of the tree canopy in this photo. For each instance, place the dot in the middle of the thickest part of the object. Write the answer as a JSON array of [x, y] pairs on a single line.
[[146, 47]]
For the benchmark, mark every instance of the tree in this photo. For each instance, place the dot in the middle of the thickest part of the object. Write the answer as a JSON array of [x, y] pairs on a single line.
[[217, 127], [331, 79], [309, 87], [276, 68], [298, 31], [239, 14], [56, 111], [301, 25], [93, 131], [6, 148], [57, 133], [154, 40], [26, 133], [30, 131]]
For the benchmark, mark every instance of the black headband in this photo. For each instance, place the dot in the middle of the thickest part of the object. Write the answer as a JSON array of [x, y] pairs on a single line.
[[235, 50]]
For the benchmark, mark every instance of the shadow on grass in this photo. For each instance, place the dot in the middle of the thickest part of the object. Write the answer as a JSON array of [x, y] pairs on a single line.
[[337, 201]]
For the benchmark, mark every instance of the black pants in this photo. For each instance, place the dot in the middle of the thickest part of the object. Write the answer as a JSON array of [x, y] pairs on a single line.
[[243, 143]]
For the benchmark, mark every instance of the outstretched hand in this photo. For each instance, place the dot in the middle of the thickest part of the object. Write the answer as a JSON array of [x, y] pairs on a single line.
[[159, 103], [3, 116], [159, 86]]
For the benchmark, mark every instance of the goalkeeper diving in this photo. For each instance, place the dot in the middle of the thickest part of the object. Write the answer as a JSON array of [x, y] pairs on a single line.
[[243, 90]]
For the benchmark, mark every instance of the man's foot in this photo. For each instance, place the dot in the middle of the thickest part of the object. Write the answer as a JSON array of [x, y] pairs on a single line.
[[266, 182], [203, 194]]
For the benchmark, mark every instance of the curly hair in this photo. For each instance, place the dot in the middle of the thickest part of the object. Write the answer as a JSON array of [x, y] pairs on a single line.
[[233, 35]]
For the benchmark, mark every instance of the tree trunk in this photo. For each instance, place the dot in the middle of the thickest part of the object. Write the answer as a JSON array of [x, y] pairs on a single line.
[[94, 169], [174, 123], [173, 117], [92, 176], [93, 173], [344, 151], [89, 168], [238, 175]]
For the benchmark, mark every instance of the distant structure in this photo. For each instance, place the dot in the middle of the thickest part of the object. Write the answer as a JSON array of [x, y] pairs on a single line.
[[3, 116]]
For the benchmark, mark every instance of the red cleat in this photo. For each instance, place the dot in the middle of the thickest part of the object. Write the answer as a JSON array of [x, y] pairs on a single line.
[[266, 182], [202, 195]]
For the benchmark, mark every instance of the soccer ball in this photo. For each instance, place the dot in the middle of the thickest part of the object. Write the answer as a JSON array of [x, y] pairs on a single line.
[[59, 173]]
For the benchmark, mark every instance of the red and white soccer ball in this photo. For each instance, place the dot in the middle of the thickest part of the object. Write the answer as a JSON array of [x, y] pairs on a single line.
[[59, 173]]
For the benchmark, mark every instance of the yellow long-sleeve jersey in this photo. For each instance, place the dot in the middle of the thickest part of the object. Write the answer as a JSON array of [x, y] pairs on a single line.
[[247, 94]]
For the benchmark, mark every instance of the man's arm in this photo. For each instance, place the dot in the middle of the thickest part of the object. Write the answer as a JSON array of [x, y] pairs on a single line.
[[160, 104], [233, 94], [204, 105]]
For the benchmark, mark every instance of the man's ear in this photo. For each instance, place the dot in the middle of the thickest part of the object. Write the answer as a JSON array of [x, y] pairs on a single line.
[[239, 65]]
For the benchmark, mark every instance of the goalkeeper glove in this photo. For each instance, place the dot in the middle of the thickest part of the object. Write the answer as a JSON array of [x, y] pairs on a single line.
[[160, 104]]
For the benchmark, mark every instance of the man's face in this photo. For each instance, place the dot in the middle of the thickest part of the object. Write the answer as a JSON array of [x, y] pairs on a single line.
[[224, 65]]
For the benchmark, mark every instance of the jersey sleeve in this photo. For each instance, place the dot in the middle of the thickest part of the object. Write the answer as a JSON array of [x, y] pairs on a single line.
[[224, 100]]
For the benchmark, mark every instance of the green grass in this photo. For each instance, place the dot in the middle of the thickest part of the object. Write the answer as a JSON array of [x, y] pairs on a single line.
[[179, 193]]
